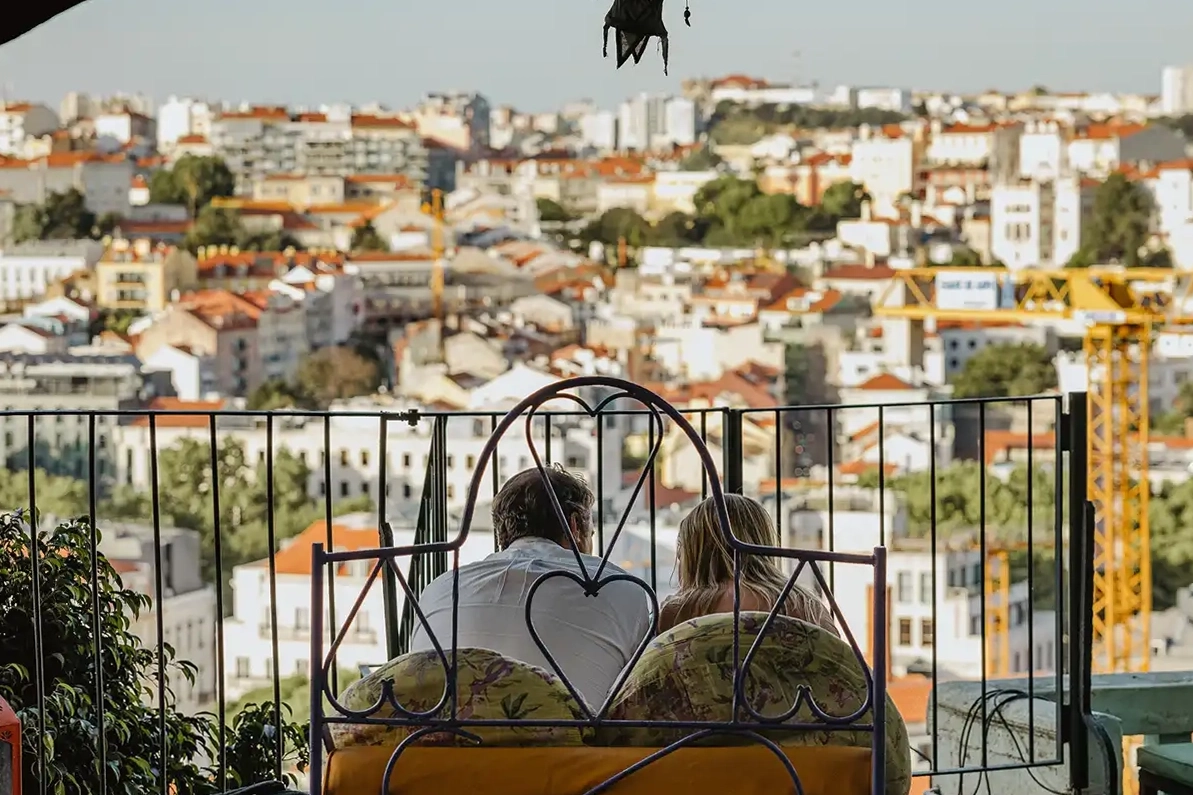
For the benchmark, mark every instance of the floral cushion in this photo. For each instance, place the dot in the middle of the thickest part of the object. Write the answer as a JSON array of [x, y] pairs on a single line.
[[489, 687], [686, 674]]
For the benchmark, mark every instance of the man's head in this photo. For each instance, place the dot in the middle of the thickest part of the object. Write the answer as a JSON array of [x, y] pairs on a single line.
[[522, 509]]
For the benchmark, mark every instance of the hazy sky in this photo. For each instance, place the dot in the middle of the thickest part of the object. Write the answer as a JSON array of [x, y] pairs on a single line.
[[537, 54]]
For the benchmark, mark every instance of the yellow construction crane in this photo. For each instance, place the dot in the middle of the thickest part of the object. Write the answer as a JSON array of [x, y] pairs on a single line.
[[1120, 309]]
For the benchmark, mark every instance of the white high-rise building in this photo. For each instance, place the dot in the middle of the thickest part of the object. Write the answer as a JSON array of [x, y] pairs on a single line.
[[179, 117], [680, 121], [1176, 90], [598, 129]]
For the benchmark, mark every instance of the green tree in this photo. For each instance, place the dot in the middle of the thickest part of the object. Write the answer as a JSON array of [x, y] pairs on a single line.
[[366, 238], [295, 690], [63, 725], [702, 159], [844, 200], [1006, 370], [1173, 421], [965, 257], [193, 181], [215, 226], [336, 373], [797, 369], [735, 124], [616, 223], [1119, 226], [273, 395], [552, 211], [63, 216], [676, 229]]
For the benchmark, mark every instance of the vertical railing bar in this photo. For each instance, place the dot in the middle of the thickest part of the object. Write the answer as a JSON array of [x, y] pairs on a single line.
[[779, 475], [92, 503], [882, 476], [1058, 568], [389, 582], [600, 482], [158, 605], [704, 438], [932, 529], [982, 566], [654, 577], [332, 625], [1081, 538], [547, 434], [271, 534], [830, 442], [39, 666], [1031, 586], [220, 675]]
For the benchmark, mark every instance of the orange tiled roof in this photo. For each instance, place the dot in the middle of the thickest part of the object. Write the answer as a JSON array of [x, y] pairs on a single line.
[[884, 382], [1106, 132], [179, 420]]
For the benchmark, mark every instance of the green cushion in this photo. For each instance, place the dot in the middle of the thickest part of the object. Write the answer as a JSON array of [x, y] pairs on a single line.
[[686, 674], [489, 687], [1173, 762]]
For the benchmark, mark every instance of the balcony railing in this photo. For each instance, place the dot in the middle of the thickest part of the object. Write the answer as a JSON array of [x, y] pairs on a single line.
[[970, 536]]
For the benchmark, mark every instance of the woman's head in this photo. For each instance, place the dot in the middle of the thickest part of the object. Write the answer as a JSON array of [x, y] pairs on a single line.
[[704, 556]]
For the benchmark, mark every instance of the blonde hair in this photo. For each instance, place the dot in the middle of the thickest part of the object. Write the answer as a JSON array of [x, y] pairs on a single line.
[[704, 563]]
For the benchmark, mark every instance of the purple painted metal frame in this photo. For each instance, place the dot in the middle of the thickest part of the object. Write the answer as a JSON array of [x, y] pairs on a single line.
[[442, 717]]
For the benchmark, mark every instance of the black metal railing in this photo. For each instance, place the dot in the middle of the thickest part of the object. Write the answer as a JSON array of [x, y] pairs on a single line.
[[228, 480]]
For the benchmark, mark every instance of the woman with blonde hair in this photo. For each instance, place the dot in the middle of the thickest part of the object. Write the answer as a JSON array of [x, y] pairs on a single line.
[[705, 568]]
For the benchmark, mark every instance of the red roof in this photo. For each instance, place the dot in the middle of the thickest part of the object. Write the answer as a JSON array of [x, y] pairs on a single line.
[[885, 382]]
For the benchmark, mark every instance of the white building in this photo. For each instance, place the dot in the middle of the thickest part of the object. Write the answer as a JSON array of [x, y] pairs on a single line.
[[192, 374], [893, 99], [1176, 90], [26, 270], [178, 118], [188, 605], [884, 162], [679, 122], [21, 120], [1043, 151], [598, 130], [1038, 223]]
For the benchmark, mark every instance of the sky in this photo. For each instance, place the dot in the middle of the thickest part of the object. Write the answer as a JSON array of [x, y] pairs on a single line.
[[539, 54]]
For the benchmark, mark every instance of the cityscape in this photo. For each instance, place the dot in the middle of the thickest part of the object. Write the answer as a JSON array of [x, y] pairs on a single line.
[[390, 280]]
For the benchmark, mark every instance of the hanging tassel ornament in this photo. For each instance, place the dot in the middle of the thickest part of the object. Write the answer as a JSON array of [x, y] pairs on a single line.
[[634, 23], [687, 15]]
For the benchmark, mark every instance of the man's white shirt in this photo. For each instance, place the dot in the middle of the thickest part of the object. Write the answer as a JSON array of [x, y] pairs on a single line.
[[592, 638]]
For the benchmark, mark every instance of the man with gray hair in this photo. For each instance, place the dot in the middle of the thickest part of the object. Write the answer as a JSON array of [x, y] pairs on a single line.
[[592, 638]]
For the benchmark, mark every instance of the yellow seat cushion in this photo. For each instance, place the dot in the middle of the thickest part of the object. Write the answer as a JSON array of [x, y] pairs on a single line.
[[686, 674], [489, 686], [742, 770]]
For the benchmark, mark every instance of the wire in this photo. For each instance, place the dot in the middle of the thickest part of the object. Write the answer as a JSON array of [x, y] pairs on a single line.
[[1012, 695]]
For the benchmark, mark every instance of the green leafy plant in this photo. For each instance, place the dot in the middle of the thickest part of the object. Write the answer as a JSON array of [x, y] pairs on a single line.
[[94, 714]]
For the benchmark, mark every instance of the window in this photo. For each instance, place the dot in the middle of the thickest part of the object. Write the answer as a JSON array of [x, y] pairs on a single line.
[[364, 458], [343, 488], [470, 462], [905, 632], [364, 488], [269, 668], [406, 490], [405, 460], [927, 632], [243, 670], [451, 461], [905, 593], [302, 618], [343, 458], [926, 587]]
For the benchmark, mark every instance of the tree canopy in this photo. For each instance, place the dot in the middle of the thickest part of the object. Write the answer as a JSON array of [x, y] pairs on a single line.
[[731, 211], [219, 226], [736, 124], [1119, 226], [63, 216], [193, 182], [551, 211], [366, 238], [1006, 369], [63, 722]]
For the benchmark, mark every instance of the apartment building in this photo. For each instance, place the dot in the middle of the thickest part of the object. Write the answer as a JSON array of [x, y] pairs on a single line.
[[102, 179], [72, 383], [22, 120], [188, 606], [259, 141], [1098, 149], [219, 326], [141, 277], [458, 119], [1039, 223], [27, 270], [885, 161]]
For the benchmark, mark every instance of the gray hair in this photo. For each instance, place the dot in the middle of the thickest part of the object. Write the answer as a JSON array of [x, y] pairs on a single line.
[[523, 509]]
